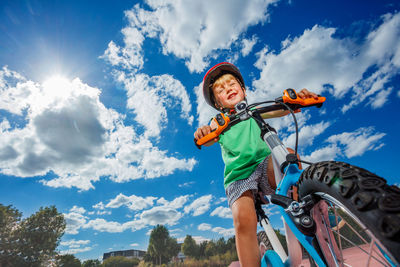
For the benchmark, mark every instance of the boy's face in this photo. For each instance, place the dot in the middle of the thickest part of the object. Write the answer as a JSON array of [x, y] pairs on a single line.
[[228, 93]]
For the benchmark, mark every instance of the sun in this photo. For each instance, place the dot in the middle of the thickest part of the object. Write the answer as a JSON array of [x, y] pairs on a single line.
[[57, 86], [55, 81]]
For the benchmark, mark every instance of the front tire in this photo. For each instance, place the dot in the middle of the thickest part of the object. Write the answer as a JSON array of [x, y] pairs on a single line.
[[355, 194]]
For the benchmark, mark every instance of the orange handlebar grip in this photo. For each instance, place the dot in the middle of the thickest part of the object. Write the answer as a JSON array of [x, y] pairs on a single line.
[[290, 96], [222, 121]]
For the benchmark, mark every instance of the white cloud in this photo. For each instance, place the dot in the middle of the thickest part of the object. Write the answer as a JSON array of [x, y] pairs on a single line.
[[74, 243], [174, 232], [177, 203], [165, 213], [134, 245], [194, 31], [271, 210], [349, 144], [160, 215], [105, 226], [306, 135], [74, 222], [247, 45], [149, 98], [199, 206], [132, 202], [222, 212], [71, 133], [129, 57], [157, 164], [227, 232], [329, 152], [77, 209], [99, 206], [221, 200], [187, 184], [340, 63], [380, 98], [204, 227], [204, 111], [75, 250], [358, 142]]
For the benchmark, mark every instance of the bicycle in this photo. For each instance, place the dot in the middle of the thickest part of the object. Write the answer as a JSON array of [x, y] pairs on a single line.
[[339, 208]]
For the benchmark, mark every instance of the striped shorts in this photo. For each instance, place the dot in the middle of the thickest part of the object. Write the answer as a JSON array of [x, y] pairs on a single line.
[[256, 182]]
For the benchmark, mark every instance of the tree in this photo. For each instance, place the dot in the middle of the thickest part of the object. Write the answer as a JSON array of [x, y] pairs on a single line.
[[9, 218], [120, 261], [41, 233], [161, 246], [91, 263], [173, 248], [220, 246], [68, 260], [202, 249], [210, 249], [31, 241], [231, 244], [189, 247]]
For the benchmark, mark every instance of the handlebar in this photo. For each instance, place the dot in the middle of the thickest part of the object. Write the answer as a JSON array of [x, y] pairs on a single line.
[[289, 100]]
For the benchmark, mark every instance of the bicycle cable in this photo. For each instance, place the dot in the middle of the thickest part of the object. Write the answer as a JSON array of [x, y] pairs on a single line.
[[291, 112]]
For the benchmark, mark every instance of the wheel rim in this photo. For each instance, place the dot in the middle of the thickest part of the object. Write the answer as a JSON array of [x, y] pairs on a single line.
[[357, 245]]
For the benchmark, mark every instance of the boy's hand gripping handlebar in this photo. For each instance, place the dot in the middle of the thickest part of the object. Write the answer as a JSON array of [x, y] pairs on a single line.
[[295, 102], [222, 121], [290, 98]]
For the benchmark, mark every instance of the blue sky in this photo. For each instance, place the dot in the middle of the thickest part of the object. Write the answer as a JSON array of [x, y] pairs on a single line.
[[99, 101]]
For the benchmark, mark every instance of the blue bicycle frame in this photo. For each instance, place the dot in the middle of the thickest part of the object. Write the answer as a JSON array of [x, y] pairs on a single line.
[[290, 177]]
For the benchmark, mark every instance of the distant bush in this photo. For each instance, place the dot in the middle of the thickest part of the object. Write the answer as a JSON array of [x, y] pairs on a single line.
[[120, 261]]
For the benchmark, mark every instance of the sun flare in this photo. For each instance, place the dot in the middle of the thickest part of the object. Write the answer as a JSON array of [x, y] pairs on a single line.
[[57, 86]]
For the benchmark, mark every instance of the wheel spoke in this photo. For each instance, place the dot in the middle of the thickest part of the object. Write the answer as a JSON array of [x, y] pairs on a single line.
[[378, 256], [371, 244]]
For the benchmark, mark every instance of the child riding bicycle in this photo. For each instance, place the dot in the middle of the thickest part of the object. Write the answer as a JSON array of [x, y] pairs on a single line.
[[248, 166]]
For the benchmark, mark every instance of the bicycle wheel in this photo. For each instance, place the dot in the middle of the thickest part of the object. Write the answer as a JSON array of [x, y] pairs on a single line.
[[364, 212]]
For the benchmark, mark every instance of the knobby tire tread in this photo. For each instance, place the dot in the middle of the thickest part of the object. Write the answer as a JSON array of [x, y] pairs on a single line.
[[366, 195]]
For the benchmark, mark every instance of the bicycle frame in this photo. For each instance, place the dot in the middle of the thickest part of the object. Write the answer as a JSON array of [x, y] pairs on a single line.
[[284, 181]]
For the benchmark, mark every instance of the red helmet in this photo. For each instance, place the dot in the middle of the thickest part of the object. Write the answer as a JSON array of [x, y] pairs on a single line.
[[213, 74]]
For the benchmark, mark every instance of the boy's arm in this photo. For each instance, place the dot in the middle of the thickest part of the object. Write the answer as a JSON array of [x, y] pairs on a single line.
[[275, 114], [204, 130]]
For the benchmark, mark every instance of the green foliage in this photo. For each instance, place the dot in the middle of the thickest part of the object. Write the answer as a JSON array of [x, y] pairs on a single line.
[[120, 261], [68, 260], [145, 264], [91, 263], [219, 252], [9, 219], [189, 247], [220, 260], [202, 249], [161, 247], [210, 249], [31, 241]]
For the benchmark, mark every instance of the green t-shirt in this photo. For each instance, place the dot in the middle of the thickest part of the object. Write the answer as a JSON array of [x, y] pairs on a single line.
[[242, 150]]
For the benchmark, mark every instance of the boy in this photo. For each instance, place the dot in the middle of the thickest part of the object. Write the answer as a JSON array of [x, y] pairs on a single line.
[[248, 167]]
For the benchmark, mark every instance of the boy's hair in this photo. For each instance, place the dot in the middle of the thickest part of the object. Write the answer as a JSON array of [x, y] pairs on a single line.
[[224, 78]]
